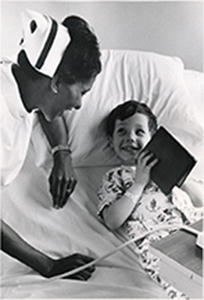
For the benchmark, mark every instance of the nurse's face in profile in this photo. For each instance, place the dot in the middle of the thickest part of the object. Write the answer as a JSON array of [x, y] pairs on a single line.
[[66, 97]]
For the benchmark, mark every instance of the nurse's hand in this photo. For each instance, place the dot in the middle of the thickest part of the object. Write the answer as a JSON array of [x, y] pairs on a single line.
[[62, 178], [70, 263]]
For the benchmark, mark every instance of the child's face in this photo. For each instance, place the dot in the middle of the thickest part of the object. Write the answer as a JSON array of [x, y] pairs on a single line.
[[129, 137]]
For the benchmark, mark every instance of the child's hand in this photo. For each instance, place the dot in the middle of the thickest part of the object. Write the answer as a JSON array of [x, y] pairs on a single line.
[[145, 161]]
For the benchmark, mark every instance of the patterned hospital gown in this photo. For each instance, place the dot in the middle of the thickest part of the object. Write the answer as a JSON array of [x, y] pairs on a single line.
[[152, 208]]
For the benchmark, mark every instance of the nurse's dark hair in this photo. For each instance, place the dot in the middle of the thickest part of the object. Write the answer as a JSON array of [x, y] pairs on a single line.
[[127, 110], [81, 59]]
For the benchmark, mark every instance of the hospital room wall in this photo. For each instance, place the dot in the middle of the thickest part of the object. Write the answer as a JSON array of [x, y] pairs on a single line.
[[170, 28]]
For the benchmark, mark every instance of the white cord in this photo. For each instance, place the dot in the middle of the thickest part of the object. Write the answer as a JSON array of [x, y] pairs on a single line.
[[97, 260]]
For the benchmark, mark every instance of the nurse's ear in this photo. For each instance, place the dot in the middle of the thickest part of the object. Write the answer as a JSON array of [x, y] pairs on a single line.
[[25, 65], [55, 84]]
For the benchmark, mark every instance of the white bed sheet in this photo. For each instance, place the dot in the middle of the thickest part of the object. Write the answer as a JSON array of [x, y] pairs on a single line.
[[27, 207]]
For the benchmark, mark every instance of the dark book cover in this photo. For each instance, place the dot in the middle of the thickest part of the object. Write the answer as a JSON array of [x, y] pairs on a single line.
[[175, 162]]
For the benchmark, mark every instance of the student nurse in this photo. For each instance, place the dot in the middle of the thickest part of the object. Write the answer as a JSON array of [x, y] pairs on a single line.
[[56, 65]]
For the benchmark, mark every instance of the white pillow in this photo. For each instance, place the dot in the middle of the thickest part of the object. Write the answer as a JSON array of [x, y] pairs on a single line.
[[195, 83], [154, 79]]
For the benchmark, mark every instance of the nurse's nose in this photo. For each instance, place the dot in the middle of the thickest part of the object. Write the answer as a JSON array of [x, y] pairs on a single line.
[[77, 107], [78, 103]]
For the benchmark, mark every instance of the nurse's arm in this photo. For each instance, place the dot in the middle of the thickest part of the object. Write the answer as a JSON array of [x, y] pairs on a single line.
[[62, 178], [13, 245]]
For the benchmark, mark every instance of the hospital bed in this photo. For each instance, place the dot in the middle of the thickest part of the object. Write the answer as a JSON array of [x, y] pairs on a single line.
[[175, 95]]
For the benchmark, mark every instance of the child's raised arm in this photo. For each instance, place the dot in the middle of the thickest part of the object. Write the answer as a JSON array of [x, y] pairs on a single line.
[[118, 209], [116, 214]]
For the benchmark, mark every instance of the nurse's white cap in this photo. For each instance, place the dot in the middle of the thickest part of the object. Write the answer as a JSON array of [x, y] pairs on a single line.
[[44, 41]]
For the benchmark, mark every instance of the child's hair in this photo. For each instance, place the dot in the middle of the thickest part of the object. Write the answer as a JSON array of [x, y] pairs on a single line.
[[126, 110]]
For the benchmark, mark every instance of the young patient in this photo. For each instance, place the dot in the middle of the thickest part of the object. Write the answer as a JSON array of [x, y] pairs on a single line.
[[129, 200]]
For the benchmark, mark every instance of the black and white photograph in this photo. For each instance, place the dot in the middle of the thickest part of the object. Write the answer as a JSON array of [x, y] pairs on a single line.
[[102, 142]]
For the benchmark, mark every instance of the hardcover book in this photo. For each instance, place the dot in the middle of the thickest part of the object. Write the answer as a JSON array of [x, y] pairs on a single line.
[[175, 162]]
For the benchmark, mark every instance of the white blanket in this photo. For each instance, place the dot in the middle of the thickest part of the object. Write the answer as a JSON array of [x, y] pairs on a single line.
[[27, 207]]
